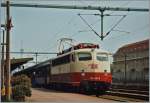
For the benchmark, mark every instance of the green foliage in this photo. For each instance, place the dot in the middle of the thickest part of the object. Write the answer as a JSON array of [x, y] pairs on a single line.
[[21, 80], [21, 87]]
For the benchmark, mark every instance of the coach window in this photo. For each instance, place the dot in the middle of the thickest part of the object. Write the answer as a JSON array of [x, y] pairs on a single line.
[[84, 56]]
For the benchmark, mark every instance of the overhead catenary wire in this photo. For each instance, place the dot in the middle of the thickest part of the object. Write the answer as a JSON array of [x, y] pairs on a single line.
[[121, 31], [123, 16], [131, 32], [140, 28], [104, 8], [76, 0], [89, 25], [63, 27], [32, 52], [95, 22], [99, 19], [103, 14], [123, 5], [77, 7], [79, 31], [35, 54], [114, 26], [61, 30]]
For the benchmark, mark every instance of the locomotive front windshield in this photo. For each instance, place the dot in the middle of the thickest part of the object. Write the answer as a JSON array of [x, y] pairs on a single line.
[[84, 56], [102, 57]]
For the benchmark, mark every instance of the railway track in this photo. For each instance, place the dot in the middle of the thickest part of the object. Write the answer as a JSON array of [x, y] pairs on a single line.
[[120, 99], [131, 91], [120, 95], [124, 95], [127, 95]]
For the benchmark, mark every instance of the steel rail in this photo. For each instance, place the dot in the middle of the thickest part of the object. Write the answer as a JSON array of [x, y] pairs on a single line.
[[130, 95], [131, 91]]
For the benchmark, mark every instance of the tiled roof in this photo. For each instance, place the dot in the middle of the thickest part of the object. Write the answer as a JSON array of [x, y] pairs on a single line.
[[137, 46]]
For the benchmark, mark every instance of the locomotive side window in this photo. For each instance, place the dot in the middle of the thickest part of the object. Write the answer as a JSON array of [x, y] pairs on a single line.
[[84, 56], [102, 57], [62, 60]]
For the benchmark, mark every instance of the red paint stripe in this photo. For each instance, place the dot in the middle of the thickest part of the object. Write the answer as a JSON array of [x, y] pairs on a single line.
[[77, 77]]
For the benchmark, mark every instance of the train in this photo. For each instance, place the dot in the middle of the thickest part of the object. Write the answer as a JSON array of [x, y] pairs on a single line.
[[84, 67]]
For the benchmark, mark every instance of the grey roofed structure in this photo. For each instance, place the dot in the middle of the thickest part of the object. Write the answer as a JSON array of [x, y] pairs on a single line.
[[34, 67], [18, 62]]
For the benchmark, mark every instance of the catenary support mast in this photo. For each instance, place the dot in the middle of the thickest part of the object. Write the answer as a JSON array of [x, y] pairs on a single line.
[[8, 84], [75, 7]]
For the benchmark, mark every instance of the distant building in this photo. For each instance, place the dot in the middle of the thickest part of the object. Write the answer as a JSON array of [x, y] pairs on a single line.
[[131, 64]]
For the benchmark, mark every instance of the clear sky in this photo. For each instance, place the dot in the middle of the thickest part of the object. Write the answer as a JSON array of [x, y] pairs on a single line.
[[39, 29]]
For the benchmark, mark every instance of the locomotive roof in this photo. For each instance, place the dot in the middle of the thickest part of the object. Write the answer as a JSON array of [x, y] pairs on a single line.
[[84, 50]]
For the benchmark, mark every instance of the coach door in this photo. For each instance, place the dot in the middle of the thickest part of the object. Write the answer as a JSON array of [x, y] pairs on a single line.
[[49, 72], [72, 62]]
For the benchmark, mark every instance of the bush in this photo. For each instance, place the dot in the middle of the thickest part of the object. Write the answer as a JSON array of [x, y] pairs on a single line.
[[21, 80], [21, 87]]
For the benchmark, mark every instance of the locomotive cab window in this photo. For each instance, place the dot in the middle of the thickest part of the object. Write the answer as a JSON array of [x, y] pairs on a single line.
[[84, 56], [102, 57]]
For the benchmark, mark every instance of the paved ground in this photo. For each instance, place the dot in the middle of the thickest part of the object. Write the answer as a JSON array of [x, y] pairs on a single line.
[[45, 95]]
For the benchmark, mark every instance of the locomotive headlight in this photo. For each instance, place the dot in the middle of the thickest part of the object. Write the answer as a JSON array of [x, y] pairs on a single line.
[[82, 72], [105, 71]]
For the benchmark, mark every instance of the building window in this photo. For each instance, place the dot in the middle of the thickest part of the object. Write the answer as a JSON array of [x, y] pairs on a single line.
[[118, 71], [132, 70], [146, 70]]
